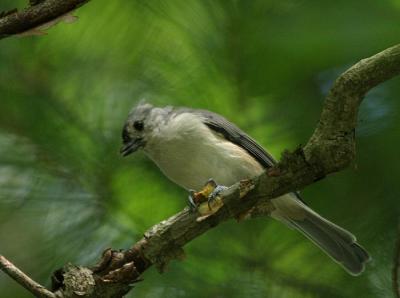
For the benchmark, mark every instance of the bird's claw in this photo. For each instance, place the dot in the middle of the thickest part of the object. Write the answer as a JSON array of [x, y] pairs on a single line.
[[191, 201], [206, 201], [214, 194]]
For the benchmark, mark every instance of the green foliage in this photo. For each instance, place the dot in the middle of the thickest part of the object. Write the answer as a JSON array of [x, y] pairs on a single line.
[[66, 194]]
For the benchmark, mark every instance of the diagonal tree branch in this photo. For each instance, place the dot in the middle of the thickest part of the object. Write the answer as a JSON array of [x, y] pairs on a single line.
[[24, 280], [36, 15], [331, 148]]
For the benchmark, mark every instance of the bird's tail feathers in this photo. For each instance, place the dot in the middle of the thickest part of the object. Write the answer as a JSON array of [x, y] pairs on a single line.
[[335, 241]]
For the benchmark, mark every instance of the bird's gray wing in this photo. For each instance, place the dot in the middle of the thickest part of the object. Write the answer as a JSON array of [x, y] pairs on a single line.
[[234, 134]]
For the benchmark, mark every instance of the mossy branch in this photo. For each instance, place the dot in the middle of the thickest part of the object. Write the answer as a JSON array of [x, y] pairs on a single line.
[[331, 148], [38, 14]]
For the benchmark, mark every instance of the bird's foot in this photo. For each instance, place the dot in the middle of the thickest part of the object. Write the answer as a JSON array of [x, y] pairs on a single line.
[[192, 199], [213, 196], [207, 201], [195, 199]]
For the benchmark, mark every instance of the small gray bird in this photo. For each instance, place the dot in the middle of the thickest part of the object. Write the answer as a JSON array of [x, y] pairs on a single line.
[[191, 146]]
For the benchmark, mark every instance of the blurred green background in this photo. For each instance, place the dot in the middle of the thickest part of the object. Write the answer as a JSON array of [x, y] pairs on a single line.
[[66, 194]]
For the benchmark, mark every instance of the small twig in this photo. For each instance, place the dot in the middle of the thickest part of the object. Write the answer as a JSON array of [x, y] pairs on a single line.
[[396, 267], [330, 149], [24, 280], [39, 13]]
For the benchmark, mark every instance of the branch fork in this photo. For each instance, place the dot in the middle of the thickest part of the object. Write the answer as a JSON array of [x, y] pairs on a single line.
[[331, 148]]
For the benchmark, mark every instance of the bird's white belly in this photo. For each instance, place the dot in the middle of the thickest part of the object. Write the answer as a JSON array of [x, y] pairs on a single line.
[[190, 162]]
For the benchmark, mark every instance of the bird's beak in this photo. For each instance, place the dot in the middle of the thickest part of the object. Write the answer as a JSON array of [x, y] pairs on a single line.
[[131, 146]]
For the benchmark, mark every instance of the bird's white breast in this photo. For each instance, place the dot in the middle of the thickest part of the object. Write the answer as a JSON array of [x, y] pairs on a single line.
[[189, 153]]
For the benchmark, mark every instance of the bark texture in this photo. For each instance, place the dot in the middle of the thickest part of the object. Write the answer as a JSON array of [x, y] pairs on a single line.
[[331, 148], [40, 13]]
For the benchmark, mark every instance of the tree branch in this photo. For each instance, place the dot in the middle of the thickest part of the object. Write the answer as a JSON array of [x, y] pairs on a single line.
[[331, 148], [24, 280], [36, 16]]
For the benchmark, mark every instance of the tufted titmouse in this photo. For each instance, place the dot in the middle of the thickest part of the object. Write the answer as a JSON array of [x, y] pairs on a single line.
[[191, 146]]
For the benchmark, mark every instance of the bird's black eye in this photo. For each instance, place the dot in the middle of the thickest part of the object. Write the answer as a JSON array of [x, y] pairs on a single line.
[[138, 125]]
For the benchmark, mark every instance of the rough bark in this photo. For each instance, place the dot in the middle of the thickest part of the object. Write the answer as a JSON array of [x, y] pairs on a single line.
[[331, 148], [40, 13]]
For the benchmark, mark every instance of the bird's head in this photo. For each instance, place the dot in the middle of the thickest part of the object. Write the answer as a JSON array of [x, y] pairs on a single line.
[[136, 129]]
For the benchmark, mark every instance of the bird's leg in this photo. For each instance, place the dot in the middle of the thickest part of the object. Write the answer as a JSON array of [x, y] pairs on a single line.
[[197, 198], [208, 194], [191, 200], [216, 189]]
